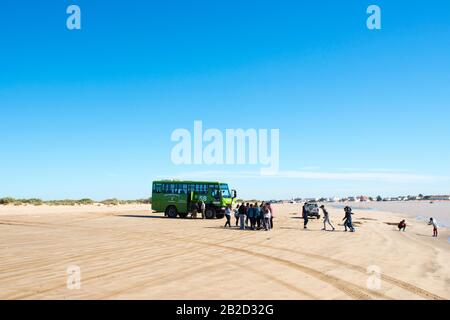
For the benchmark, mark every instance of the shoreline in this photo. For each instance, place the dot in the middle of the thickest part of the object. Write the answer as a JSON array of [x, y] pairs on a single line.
[[419, 210]]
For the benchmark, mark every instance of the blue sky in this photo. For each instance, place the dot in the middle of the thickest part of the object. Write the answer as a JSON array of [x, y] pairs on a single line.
[[90, 112]]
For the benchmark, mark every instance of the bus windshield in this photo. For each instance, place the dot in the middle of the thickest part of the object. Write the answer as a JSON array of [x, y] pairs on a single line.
[[225, 191]]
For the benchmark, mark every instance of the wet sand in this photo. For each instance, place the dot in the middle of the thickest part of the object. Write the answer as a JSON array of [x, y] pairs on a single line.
[[421, 210]]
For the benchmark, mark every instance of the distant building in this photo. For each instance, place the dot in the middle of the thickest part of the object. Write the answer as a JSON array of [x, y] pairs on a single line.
[[437, 197]]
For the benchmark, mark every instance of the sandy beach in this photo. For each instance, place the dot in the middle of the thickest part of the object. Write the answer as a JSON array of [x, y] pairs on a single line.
[[129, 252]]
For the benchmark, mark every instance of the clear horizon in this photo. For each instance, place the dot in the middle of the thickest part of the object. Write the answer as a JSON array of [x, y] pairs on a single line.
[[89, 113]]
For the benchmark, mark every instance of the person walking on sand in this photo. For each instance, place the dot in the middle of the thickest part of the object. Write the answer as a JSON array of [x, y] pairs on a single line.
[[402, 225], [433, 222], [228, 216], [236, 215], [348, 219], [305, 216], [326, 218], [242, 214], [203, 209]]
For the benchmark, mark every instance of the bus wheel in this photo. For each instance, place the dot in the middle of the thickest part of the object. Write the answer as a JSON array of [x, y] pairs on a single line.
[[210, 213], [171, 212]]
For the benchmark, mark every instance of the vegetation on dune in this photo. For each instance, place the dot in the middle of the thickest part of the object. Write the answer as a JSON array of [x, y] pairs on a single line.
[[7, 200], [116, 202], [69, 202]]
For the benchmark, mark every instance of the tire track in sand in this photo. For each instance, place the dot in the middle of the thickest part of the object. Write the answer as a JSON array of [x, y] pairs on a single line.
[[184, 241], [399, 283]]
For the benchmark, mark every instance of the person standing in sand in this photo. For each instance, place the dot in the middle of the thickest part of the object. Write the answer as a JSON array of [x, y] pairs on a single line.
[[242, 214], [203, 209], [257, 209], [266, 218], [271, 214], [247, 207], [262, 207], [433, 222], [326, 218], [236, 215], [194, 210], [251, 216], [305, 216]]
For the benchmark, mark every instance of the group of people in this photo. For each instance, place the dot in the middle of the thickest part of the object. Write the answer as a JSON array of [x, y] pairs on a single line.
[[260, 217], [432, 222], [348, 222], [198, 207], [253, 216]]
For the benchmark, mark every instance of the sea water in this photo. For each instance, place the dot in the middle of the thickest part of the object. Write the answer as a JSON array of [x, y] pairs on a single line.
[[420, 210]]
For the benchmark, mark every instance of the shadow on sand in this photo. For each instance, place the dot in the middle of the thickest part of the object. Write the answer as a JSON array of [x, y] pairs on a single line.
[[232, 228], [154, 217], [139, 216]]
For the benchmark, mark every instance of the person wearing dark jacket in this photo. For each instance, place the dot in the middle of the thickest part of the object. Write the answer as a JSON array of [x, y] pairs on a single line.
[[348, 219], [251, 216], [242, 214], [402, 225], [258, 215], [305, 216], [236, 215], [194, 210], [247, 211]]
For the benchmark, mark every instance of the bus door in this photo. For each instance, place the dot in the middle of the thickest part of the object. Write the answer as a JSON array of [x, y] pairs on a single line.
[[190, 201]]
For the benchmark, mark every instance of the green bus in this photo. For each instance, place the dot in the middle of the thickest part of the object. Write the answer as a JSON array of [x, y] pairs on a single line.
[[175, 198]]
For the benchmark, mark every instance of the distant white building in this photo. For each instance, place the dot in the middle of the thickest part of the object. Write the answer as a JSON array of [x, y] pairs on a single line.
[[438, 197]]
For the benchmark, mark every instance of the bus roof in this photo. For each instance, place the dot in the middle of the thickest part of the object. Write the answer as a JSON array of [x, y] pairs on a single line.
[[188, 182]]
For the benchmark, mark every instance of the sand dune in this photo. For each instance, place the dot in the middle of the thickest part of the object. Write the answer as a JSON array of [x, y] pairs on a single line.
[[128, 252]]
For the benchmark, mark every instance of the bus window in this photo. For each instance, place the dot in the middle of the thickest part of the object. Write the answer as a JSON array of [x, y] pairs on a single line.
[[215, 191], [225, 191], [157, 188], [181, 188]]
